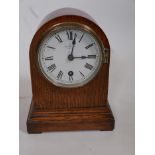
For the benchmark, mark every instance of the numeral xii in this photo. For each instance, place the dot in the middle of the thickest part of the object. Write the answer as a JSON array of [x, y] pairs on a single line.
[[70, 35]]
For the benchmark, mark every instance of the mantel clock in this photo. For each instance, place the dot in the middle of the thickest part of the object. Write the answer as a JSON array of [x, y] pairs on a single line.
[[69, 63]]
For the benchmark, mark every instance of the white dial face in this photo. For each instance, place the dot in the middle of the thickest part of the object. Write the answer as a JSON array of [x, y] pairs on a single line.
[[69, 57]]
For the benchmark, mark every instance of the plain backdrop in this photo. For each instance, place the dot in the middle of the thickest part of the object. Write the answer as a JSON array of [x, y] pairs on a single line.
[[116, 18]]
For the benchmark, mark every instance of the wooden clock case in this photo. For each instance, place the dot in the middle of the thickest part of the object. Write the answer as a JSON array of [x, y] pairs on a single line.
[[61, 109]]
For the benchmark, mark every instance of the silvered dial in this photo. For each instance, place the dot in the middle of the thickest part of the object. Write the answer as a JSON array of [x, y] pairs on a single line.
[[69, 57]]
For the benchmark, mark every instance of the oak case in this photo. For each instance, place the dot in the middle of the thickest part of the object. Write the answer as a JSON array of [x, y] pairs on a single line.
[[60, 109]]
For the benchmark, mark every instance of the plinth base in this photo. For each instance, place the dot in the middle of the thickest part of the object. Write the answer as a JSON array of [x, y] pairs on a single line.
[[95, 118]]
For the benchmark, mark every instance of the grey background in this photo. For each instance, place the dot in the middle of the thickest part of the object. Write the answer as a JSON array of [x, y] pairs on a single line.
[[116, 18]]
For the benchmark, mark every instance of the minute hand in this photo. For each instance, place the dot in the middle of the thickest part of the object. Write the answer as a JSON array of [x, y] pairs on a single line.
[[73, 43]]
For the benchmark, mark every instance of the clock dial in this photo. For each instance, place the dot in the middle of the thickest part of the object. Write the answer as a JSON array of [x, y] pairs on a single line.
[[69, 56]]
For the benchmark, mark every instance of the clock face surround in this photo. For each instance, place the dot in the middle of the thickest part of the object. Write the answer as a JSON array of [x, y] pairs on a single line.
[[70, 56]]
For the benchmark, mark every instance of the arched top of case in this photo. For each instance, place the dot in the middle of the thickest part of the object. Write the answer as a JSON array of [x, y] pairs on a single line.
[[68, 19], [40, 85]]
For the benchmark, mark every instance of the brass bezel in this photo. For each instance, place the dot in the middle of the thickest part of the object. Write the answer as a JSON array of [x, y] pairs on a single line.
[[61, 26]]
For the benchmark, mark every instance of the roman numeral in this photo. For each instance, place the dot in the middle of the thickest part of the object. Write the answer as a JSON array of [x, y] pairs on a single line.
[[58, 38], [70, 35], [81, 38], [52, 67], [88, 66], [49, 58], [51, 47], [81, 74], [90, 45], [70, 78], [92, 56], [60, 74]]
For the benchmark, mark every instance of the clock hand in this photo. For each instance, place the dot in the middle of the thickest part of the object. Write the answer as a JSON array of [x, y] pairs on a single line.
[[73, 43], [70, 57], [84, 57]]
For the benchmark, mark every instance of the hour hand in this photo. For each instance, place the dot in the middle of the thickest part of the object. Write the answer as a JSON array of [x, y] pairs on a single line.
[[84, 57]]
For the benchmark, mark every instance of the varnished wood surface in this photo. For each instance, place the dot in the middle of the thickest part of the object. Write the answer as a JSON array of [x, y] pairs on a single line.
[[46, 95], [77, 104], [99, 118]]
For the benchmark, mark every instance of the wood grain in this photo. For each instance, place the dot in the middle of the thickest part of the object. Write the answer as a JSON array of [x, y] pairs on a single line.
[[99, 118], [48, 97]]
